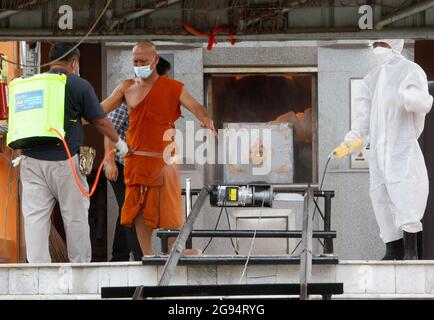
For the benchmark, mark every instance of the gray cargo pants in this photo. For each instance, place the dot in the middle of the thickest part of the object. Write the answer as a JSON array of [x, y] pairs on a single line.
[[44, 182]]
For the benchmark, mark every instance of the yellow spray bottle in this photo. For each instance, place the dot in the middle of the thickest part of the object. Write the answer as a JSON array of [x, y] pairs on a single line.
[[345, 150]]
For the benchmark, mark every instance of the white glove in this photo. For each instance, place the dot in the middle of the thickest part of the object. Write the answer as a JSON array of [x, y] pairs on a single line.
[[122, 148], [16, 162]]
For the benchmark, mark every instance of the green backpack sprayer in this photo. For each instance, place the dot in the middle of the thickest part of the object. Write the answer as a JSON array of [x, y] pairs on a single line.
[[36, 105], [37, 116]]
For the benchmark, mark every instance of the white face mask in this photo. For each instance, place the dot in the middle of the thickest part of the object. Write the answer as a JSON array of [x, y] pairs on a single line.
[[383, 55], [143, 72]]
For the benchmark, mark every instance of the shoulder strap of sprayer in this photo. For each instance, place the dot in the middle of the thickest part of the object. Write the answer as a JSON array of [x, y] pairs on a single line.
[[68, 123]]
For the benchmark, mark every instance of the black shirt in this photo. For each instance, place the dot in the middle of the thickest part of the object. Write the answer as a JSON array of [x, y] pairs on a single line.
[[80, 101]]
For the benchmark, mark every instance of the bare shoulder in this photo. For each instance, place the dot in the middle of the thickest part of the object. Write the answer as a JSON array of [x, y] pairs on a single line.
[[123, 86], [126, 84]]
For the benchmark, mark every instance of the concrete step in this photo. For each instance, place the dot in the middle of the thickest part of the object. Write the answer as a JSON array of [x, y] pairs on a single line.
[[362, 279]]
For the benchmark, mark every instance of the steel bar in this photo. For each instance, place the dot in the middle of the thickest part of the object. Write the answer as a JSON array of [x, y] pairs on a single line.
[[247, 234], [275, 289], [306, 255], [239, 260], [328, 243]]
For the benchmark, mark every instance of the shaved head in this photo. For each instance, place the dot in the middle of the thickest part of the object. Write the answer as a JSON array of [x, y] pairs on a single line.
[[145, 47]]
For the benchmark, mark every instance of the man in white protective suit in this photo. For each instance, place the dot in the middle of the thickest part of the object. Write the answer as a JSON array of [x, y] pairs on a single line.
[[391, 108]]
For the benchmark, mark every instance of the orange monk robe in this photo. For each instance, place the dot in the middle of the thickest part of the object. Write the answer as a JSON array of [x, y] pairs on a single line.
[[152, 186]]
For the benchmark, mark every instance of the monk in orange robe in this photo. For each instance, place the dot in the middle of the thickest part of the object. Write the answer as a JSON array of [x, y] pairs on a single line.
[[153, 193]]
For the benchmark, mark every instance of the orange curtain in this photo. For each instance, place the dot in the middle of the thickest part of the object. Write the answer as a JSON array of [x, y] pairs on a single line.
[[9, 208]]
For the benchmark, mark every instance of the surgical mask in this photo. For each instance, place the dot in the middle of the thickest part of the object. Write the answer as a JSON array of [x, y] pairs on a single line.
[[383, 55], [143, 72]]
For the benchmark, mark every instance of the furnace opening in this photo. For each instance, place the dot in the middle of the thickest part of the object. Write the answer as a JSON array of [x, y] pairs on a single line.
[[264, 97]]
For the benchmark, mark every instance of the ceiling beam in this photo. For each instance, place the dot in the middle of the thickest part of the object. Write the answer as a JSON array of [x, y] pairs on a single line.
[[404, 13], [293, 34], [21, 8], [140, 13]]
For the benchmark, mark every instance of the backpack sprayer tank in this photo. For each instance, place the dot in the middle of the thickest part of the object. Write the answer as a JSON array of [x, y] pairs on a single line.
[[36, 104]]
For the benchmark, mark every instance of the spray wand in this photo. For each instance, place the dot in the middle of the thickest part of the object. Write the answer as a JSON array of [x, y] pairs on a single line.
[[340, 152], [346, 149]]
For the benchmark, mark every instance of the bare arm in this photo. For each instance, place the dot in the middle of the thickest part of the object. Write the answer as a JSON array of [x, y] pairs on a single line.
[[197, 109], [111, 170], [116, 98], [109, 146]]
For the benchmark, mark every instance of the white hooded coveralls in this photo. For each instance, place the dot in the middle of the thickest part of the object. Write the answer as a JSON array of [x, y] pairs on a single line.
[[391, 108]]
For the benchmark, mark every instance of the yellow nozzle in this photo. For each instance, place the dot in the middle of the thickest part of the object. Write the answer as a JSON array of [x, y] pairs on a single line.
[[341, 152], [345, 150]]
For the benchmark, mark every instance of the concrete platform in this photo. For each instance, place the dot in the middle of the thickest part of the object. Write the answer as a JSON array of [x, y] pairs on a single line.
[[362, 279]]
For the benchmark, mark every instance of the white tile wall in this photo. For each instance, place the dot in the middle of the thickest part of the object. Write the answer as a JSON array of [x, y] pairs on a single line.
[[55, 280], [380, 279], [429, 279], [112, 277], [288, 274], [261, 274], [410, 279], [202, 275], [23, 281], [363, 279], [142, 276], [179, 277], [4, 281], [323, 273], [230, 275], [353, 277], [84, 281]]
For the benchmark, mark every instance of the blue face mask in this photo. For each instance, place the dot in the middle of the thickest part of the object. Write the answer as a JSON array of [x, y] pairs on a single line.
[[143, 72]]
